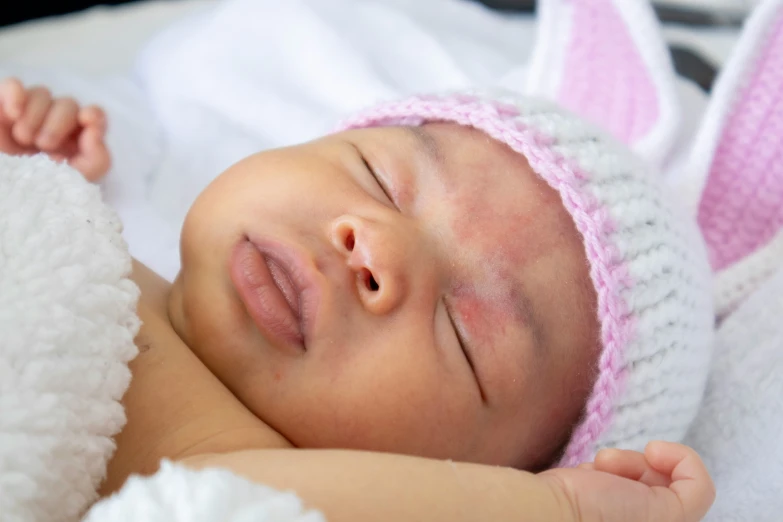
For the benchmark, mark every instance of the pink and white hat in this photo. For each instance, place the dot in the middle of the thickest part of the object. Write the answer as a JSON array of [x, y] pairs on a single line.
[[649, 263]]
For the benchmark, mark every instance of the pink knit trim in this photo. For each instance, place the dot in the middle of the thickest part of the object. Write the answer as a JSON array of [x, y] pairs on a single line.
[[604, 76], [607, 270], [742, 206]]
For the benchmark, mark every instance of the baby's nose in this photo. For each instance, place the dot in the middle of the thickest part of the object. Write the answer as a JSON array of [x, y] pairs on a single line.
[[376, 255]]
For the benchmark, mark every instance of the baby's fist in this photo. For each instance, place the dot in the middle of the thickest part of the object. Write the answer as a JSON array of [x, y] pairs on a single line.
[[668, 482], [32, 121]]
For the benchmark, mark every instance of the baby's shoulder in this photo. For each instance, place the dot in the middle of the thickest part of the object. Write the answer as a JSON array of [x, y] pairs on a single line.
[[175, 407]]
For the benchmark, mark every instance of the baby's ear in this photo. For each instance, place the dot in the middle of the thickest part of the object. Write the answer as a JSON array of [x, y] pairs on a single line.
[[607, 61], [733, 181]]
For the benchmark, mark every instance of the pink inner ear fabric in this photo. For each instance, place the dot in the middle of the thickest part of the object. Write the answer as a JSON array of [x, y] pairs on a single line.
[[604, 76], [742, 206]]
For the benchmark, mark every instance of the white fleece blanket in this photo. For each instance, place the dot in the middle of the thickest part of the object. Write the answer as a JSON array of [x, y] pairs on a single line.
[[67, 323]]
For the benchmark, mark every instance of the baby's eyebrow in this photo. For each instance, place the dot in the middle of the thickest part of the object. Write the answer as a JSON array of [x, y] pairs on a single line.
[[427, 143]]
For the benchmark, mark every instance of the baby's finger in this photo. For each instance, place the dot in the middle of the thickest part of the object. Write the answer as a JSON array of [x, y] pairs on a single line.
[[92, 159], [12, 99], [93, 116], [691, 481], [39, 99], [59, 123], [631, 465]]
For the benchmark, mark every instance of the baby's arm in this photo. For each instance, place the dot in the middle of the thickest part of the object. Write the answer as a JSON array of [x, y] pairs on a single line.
[[353, 486], [667, 483], [32, 121]]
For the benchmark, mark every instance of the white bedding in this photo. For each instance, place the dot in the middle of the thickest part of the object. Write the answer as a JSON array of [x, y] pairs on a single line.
[[79, 41], [99, 40]]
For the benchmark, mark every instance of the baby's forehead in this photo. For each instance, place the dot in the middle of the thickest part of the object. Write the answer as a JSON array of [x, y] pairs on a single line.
[[488, 188], [502, 217]]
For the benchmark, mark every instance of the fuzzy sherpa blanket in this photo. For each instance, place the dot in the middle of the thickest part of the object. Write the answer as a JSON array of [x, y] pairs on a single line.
[[67, 324]]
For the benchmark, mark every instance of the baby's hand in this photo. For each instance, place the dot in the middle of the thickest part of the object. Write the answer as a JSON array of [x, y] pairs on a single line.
[[31, 121], [668, 482]]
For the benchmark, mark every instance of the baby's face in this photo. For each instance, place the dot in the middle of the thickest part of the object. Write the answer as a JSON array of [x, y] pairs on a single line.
[[412, 290]]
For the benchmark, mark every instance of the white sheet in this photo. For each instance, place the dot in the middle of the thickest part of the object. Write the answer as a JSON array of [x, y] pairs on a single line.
[[106, 39], [100, 40]]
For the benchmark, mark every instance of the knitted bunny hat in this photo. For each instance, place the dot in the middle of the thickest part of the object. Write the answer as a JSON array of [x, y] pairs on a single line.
[[647, 259]]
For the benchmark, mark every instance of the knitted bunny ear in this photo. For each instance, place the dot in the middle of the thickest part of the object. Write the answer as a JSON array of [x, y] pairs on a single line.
[[734, 178], [607, 61]]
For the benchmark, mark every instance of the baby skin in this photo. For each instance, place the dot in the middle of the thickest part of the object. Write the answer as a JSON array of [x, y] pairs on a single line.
[[411, 305]]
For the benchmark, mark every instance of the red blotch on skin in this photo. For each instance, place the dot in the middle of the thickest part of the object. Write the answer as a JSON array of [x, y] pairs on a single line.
[[469, 308], [482, 319]]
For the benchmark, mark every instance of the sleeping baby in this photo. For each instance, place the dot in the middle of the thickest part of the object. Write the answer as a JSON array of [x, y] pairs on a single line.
[[451, 302], [448, 277]]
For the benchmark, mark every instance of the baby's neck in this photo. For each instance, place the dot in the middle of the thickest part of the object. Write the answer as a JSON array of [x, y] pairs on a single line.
[[175, 407]]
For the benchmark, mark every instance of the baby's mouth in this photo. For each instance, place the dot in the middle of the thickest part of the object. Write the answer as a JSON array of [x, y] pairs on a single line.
[[282, 280], [281, 289], [269, 295]]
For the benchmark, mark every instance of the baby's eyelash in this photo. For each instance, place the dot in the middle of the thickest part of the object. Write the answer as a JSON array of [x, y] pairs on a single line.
[[463, 347], [377, 180], [375, 177]]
